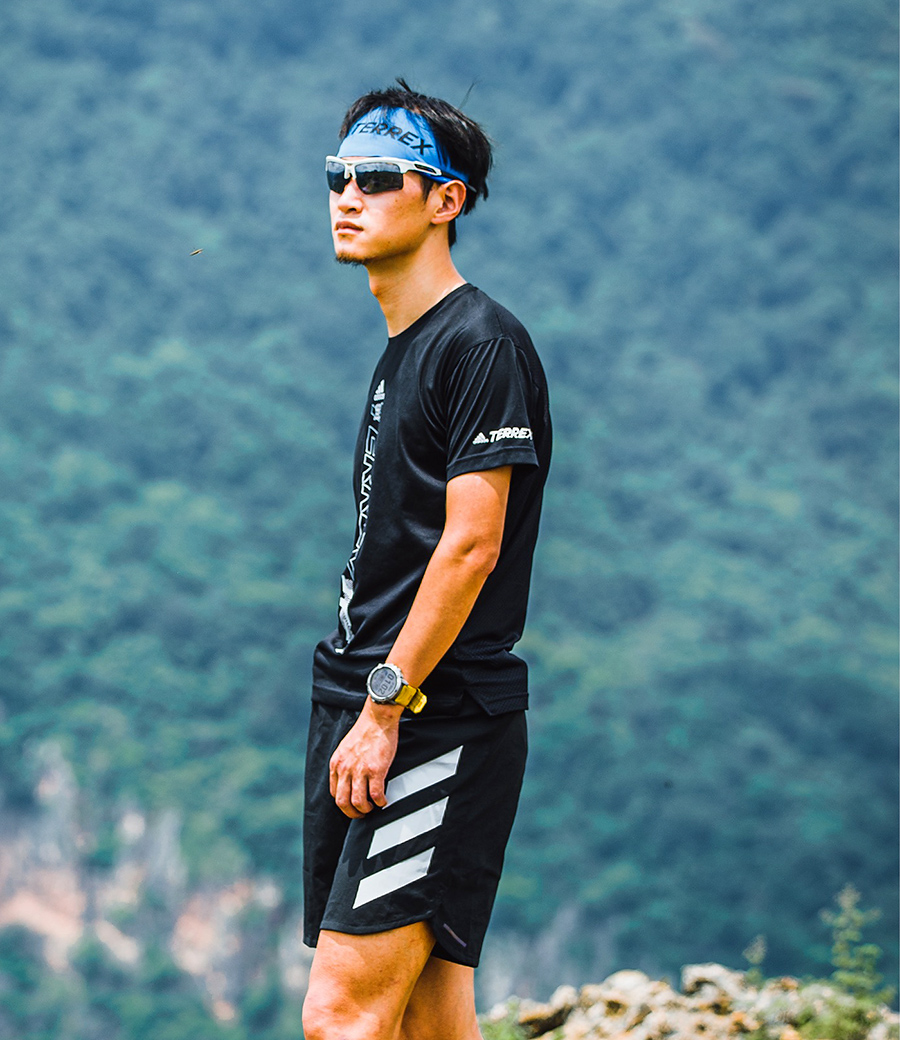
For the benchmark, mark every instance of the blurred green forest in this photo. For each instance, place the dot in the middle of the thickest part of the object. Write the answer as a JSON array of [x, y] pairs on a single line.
[[694, 212]]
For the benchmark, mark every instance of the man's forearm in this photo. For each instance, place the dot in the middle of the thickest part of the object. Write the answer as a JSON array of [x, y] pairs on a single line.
[[463, 558], [448, 590], [446, 595]]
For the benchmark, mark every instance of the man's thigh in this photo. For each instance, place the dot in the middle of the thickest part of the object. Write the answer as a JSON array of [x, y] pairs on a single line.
[[360, 985], [442, 1004]]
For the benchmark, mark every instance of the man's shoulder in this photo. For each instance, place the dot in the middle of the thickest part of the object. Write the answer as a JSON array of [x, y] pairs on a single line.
[[470, 318], [482, 318], [470, 332]]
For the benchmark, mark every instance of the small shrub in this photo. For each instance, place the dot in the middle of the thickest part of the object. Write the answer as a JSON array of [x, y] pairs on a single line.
[[854, 960], [506, 1029], [755, 954], [855, 1008]]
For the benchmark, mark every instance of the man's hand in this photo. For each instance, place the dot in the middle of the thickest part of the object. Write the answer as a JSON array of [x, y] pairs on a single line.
[[362, 759]]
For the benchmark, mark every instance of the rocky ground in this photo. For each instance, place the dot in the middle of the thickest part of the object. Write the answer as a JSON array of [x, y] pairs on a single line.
[[714, 1004]]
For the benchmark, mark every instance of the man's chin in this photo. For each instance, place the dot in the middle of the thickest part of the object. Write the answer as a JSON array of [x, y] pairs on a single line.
[[345, 253], [348, 258]]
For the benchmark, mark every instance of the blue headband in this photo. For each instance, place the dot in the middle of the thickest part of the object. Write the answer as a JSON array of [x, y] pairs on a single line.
[[397, 134]]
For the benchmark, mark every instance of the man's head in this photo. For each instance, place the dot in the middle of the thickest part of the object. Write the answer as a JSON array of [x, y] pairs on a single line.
[[443, 143]]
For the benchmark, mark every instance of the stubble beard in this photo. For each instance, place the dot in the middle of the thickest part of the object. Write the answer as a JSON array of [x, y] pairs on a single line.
[[345, 255]]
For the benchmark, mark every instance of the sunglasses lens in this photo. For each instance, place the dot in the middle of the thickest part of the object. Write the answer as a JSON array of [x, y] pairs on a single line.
[[337, 176], [373, 178]]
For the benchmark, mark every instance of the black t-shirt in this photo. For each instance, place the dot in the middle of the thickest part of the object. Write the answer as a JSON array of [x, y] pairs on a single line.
[[459, 391]]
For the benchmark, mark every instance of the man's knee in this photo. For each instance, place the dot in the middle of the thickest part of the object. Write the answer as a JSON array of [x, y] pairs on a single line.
[[317, 1017], [329, 1015]]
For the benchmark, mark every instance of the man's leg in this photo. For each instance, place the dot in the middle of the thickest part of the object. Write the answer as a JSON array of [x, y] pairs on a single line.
[[359, 985], [442, 1005]]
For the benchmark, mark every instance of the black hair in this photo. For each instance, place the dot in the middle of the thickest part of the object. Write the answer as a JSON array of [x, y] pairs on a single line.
[[466, 145]]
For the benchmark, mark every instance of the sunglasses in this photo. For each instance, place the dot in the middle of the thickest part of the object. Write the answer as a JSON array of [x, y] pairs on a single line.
[[373, 175]]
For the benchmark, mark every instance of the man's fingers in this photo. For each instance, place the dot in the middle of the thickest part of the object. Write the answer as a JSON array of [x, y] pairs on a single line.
[[357, 770], [359, 798], [342, 793], [376, 791]]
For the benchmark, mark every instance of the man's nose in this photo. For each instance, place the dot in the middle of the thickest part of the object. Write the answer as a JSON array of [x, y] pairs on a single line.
[[350, 199]]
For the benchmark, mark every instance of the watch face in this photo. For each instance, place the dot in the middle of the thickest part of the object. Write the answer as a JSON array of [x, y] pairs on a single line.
[[384, 683]]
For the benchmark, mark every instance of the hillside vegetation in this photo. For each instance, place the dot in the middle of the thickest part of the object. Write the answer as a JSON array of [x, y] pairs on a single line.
[[694, 212]]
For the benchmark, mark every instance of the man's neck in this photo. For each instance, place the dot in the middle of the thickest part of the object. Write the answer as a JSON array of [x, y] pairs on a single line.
[[408, 286]]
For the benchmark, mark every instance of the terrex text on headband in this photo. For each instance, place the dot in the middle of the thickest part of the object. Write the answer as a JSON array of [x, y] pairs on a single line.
[[395, 133]]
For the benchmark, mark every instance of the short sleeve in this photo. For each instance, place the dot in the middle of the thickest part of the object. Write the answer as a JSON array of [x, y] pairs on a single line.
[[486, 410]]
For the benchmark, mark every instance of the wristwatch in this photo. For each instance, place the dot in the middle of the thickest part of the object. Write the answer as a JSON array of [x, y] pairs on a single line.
[[386, 685]]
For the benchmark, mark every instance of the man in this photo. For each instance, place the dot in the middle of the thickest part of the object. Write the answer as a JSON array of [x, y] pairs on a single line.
[[417, 737]]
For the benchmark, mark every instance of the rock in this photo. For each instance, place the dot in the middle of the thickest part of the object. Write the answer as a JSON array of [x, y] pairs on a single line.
[[888, 1029], [741, 1022], [717, 1004], [777, 1004], [537, 1019], [628, 981], [713, 987]]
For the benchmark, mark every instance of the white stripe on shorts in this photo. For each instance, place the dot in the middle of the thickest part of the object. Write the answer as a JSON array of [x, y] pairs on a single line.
[[411, 826], [383, 882], [425, 775]]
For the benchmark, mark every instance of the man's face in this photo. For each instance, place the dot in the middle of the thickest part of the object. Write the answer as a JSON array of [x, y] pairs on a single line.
[[370, 228]]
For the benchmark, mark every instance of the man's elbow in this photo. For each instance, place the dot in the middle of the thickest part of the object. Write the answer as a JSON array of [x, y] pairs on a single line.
[[478, 555], [488, 557]]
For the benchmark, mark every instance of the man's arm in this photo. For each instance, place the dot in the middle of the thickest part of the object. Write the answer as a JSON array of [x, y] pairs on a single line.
[[463, 558]]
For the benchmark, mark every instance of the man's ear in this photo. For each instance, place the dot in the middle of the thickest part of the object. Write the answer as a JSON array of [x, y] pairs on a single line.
[[452, 197]]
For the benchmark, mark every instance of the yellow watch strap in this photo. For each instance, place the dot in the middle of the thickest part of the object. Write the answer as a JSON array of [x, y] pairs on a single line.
[[411, 697]]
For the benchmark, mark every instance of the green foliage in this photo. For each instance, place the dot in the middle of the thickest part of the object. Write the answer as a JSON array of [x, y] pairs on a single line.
[[755, 954], [100, 999], [32, 1002], [505, 1029], [854, 960], [849, 1009], [840, 1020]]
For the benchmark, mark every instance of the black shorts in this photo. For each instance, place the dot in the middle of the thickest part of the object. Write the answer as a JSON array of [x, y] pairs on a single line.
[[435, 852]]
